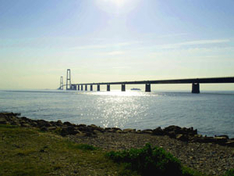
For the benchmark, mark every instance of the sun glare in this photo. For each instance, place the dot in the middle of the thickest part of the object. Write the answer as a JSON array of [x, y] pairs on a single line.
[[118, 3], [119, 6]]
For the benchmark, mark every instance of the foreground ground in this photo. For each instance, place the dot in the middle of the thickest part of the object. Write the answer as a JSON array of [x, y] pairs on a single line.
[[31, 152], [28, 150], [208, 158]]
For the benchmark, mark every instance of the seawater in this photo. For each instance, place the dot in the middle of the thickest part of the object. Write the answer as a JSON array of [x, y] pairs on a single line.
[[212, 113]]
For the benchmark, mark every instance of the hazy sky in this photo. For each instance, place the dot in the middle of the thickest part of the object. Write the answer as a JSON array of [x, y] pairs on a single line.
[[114, 40]]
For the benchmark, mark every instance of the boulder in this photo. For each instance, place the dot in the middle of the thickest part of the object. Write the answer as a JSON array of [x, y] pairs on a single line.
[[182, 137], [3, 120], [220, 140], [43, 123], [230, 143], [147, 131], [158, 131], [67, 124], [69, 130], [129, 130]]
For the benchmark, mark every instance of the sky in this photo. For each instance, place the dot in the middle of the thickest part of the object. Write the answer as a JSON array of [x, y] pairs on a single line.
[[115, 40]]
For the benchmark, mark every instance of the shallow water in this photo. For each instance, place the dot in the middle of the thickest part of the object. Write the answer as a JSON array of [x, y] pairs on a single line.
[[212, 113]]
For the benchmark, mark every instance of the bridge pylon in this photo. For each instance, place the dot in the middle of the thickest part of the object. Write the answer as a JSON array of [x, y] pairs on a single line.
[[61, 83], [68, 83]]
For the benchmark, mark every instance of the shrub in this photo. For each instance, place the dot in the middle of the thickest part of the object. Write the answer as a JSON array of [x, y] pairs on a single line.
[[83, 147], [148, 161], [230, 173]]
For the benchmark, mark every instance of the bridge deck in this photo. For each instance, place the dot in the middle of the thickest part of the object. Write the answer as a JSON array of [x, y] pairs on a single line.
[[171, 81]]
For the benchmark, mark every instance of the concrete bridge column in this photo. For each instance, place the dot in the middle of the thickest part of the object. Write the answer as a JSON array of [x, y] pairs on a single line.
[[78, 87], [86, 87], [195, 88], [91, 87], [73, 87], [81, 88], [123, 87], [108, 87], [98, 87], [147, 87]]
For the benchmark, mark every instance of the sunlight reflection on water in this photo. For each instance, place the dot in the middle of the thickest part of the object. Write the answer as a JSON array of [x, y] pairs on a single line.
[[209, 113]]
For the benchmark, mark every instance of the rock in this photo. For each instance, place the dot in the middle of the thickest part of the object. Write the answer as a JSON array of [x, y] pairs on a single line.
[[3, 120], [25, 124], [43, 123], [220, 140], [67, 124], [69, 130], [96, 128], [223, 136], [119, 131], [52, 128], [173, 128], [147, 131], [59, 123], [44, 128], [182, 137], [158, 131], [129, 130], [230, 143]]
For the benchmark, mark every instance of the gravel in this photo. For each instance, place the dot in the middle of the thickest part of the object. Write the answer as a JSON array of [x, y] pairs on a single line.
[[211, 159]]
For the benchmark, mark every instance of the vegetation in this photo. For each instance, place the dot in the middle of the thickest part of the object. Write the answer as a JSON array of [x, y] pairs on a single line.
[[28, 151], [230, 173], [149, 161]]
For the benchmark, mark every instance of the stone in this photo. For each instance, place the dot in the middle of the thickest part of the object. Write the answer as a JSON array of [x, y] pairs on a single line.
[[3, 120], [220, 140], [182, 137], [69, 130], [230, 143], [223, 136], [52, 128], [25, 124], [129, 130], [147, 131], [41, 123], [158, 131], [67, 124], [59, 123]]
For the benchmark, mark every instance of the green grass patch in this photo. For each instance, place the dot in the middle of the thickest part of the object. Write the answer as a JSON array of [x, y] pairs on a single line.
[[230, 173], [28, 151], [149, 161]]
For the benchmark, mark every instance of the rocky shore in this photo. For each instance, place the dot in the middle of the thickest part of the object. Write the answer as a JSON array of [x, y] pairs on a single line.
[[210, 155]]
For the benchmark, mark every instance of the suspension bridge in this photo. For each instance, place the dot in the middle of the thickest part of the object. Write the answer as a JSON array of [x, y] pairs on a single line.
[[195, 82]]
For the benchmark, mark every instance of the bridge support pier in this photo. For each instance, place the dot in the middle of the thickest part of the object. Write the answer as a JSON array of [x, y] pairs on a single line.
[[147, 87], [91, 87], [108, 87], [78, 87], [195, 88], [123, 87], [98, 87], [86, 87], [74, 87], [81, 87]]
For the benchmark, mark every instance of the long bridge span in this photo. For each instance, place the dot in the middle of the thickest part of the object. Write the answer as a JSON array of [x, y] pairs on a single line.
[[195, 82]]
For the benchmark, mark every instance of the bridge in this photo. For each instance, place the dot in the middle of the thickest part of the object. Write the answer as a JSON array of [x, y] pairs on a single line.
[[194, 81]]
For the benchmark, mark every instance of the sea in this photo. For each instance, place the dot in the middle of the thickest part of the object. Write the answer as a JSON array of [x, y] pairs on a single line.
[[211, 113]]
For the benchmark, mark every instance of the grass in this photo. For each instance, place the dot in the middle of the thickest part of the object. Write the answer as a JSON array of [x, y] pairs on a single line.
[[31, 152], [28, 151]]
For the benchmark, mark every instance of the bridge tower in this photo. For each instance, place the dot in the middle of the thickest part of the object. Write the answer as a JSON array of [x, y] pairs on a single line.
[[68, 83], [61, 83]]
